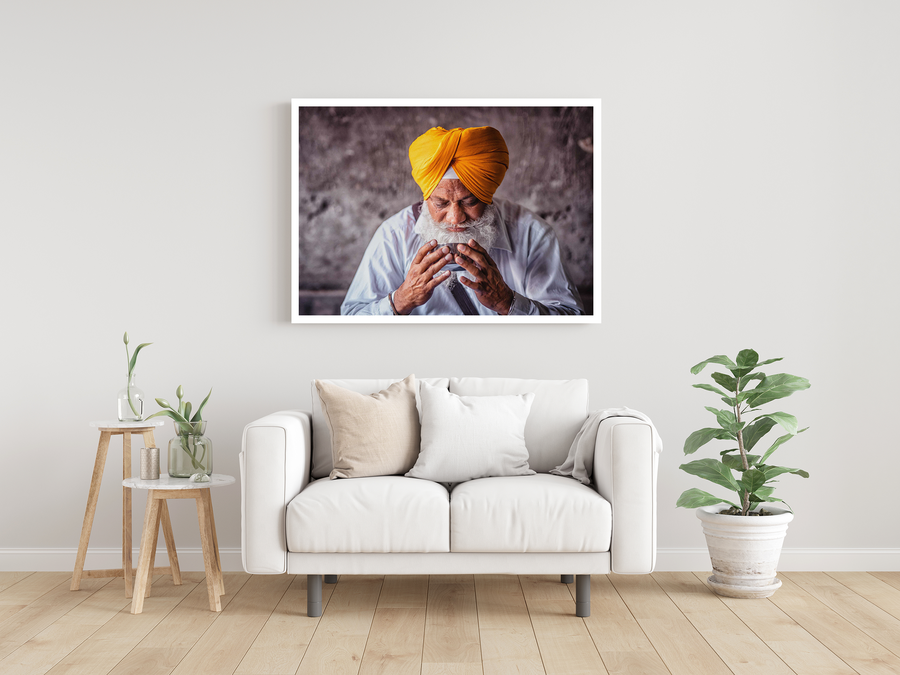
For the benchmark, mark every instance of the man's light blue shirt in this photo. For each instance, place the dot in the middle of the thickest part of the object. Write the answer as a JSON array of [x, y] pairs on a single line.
[[526, 252]]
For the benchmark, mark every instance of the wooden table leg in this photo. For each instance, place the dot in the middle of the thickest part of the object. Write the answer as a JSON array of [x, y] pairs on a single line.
[[170, 543], [215, 540], [209, 556], [148, 545], [127, 540], [90, 509]]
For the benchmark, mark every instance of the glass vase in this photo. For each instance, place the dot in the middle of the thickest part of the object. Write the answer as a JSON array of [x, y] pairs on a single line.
[[190, 451], [130, 401]]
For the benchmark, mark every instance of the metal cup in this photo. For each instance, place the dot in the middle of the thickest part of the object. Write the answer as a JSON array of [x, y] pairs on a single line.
[[149, 463]]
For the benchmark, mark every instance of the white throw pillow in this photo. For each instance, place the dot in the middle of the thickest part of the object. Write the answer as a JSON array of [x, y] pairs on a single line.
[[374, 435], [466, 437]]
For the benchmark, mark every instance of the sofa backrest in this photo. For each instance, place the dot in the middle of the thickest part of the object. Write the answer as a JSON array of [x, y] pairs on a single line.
[[559, 409]]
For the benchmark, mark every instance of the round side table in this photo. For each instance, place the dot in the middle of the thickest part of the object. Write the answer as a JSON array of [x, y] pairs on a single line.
[[109, 429], [158, 491]]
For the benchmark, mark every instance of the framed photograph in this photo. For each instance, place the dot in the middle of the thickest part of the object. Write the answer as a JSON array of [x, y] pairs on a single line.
[[439, 211]]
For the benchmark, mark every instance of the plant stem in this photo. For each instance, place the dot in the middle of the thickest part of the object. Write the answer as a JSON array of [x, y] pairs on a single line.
[[745, 496]]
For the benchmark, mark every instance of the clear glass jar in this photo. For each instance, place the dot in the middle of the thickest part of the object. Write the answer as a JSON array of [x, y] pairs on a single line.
[[190, 451], [130, 401]]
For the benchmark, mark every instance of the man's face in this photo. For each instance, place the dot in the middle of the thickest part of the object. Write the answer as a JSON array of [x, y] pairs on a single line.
[[453, 207]]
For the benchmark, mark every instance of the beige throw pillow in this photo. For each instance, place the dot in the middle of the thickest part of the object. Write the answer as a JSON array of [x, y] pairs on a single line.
[[372, 435]]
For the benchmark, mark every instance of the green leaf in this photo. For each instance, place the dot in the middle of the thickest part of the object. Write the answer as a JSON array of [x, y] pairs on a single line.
[[752, 480], [749, 378], [187, 410], [196, 417], [700, 438], [746, 362], [765, 363], [788, 422], [726, 419], [735, 462], [774, 387], [691, 499], [172, 414], [781, 440], [721, 359], [712, 470], [755, 431], [709, 387], [774, 471], [135, 355], [725, 381]]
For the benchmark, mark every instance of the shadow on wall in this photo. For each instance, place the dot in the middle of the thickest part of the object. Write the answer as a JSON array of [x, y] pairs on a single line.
[[354, 173]]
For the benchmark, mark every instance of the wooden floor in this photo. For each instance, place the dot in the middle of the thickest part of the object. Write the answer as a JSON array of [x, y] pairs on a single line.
[[816, 624]]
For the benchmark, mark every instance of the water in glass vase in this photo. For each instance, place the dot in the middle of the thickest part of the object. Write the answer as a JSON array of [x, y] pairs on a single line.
[[190, 451], [130, 402]]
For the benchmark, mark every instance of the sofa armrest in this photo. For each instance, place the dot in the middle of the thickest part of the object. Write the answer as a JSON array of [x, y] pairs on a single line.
[[624, 473], [275, 461]]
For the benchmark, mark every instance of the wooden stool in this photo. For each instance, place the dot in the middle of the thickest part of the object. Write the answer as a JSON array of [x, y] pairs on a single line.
[[167, 487], [107, 431]]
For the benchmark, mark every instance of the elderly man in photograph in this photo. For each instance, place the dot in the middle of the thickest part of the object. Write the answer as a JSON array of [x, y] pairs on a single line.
[[461, 251]]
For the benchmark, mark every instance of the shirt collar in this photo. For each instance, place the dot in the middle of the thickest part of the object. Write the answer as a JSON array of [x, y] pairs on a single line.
[[503, 236]]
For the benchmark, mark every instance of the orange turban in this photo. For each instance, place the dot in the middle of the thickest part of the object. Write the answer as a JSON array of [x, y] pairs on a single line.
[[479, 156]]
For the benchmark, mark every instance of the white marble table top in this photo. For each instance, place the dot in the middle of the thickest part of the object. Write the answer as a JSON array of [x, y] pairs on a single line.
[[167, 482], [116, 424]]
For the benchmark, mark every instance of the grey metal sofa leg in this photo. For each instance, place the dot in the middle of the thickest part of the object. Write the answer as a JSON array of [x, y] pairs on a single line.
[[313, 595], [582, 595], [331, 578], [567, 578]]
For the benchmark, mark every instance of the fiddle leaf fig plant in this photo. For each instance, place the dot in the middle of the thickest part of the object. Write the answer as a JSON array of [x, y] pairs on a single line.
[[742, 423]]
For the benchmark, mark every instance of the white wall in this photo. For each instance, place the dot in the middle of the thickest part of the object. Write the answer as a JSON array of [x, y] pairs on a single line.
[[750, 181]]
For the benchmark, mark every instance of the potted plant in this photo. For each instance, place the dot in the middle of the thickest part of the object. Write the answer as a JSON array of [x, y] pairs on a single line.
[[130, 398], [190, 452], [745, 539]]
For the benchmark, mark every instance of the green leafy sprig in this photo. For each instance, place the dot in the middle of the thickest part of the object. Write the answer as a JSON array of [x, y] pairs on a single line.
[[130, 362], [184, 423], [753, 482]]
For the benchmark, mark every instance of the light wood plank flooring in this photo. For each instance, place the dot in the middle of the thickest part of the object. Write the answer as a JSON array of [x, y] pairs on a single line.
[[665, 623]]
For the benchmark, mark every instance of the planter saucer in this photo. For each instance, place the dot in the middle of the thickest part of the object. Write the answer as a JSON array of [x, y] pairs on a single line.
[[748, 592]]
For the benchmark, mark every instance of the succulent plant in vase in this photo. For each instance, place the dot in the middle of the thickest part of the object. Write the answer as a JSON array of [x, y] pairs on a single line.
[[190, 452]]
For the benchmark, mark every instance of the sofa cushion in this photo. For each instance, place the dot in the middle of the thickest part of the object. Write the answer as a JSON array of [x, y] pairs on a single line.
[[322, 462], [371, 435], [466, 437], [559, 409], [382, 514], [540, 513]]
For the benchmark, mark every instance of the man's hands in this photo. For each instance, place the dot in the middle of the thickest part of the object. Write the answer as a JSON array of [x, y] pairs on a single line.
[[420, 280], [488, 284]]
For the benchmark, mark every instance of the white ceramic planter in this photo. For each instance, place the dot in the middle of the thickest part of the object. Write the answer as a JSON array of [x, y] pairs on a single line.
[[744, 550]]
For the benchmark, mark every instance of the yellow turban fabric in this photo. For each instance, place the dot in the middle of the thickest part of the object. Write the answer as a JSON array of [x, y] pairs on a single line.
[[479, 156]]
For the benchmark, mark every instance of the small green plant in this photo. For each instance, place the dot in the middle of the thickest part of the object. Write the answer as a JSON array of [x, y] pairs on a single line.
[[753, 483], [184, 422], [187, 427], [131, 362]]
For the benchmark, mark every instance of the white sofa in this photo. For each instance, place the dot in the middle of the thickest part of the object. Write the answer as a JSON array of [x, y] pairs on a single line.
[[296, 520]]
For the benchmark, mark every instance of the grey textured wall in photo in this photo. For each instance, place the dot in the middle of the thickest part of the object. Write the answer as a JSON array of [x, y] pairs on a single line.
[[354, 173]]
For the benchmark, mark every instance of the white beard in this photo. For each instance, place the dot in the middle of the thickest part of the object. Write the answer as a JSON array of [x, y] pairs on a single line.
[[484, 230]]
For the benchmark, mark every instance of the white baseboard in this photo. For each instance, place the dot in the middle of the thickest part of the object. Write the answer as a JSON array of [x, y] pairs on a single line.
[[63, 559], [667, 559], [791, 560]]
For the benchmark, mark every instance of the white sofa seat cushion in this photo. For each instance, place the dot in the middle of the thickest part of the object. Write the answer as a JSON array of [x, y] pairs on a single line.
[[540, 513], [378, 514]]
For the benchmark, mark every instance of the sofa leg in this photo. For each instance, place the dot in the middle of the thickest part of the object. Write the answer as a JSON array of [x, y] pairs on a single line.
[[567, 578], [313, 595], [582, 595], [331, 578]]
